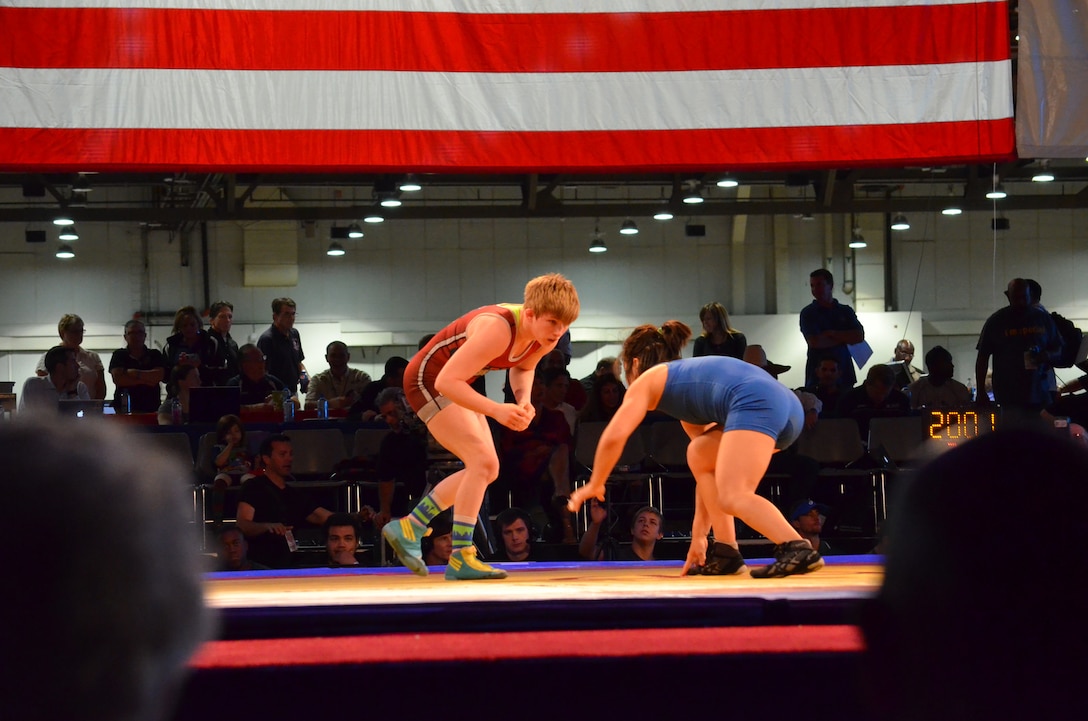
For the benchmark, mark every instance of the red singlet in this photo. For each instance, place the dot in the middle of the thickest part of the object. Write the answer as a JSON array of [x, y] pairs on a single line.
[[423, 369]]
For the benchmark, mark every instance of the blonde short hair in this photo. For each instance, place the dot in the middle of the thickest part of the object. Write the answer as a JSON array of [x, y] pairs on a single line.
[[67, 321], [555, 295]]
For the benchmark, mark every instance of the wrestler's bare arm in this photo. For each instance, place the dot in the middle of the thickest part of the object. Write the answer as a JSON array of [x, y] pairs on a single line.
[[486, 337]]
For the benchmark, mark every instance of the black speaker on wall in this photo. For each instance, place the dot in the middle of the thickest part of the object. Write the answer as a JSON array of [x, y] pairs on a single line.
[[35, 236], [692, 230]]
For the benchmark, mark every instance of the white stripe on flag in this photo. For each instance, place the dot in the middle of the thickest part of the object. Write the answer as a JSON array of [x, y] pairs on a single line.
[[314, 100]]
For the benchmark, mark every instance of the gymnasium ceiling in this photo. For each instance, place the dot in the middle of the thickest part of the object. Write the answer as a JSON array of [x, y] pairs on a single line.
[[168, 198]]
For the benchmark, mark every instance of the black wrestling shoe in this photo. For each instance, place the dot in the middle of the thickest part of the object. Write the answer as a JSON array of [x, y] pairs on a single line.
[[721, 560], [790, 558]]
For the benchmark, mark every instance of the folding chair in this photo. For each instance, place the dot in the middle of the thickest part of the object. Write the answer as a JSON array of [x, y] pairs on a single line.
[[368, 441], [316, 454], [627, 471], [175, 444], [835, 443], [667, 456], [901, 442]]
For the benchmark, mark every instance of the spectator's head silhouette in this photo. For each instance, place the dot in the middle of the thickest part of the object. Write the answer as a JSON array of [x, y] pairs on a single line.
[[102, 629], [982, 610]]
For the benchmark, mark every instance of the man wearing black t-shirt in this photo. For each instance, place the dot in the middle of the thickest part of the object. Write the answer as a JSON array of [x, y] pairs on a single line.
[[268, 508], [138, 370]]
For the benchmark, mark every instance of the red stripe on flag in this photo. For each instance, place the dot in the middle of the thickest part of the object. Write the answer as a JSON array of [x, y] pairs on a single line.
[[494, 43], [422, 151]]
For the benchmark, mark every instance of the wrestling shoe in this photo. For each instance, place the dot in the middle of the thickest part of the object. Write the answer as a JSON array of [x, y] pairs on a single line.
[[790, 558], [464, 566], [403, 535], [721, 560]]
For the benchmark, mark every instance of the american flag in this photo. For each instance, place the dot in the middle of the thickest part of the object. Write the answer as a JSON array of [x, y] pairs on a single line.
[[502, 85]]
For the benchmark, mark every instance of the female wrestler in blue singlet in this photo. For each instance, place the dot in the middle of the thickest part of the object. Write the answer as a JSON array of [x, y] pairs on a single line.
[[737, 416]]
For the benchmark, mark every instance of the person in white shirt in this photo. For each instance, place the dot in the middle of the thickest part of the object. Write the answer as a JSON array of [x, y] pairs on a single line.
[[340, 385], [91, 370], [41, 393], [939, 389]]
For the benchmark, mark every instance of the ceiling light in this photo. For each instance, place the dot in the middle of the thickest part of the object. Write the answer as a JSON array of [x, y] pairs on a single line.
[[597, 246], [997, 193], [952, 210], [410, 185], [385, 190], [374, 218], [899, 222], [728, 182], [663, 214], [81, 185], [857, 240], [335, 249], [65, 252], [1044, 174], [69, 233], [628, 228], [63, 220], [354, 231], [693, 197], [808, 216]]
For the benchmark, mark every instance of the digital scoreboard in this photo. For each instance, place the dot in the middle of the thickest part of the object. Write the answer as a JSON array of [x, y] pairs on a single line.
[[949, 427]]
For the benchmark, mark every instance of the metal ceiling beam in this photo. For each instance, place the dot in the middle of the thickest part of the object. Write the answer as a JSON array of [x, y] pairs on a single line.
[[711, 208]]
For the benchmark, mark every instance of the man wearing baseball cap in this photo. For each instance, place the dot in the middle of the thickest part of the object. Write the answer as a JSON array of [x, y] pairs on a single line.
[[808, 518]]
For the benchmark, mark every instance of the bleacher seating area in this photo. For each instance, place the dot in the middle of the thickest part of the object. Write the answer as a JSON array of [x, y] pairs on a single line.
[[856, 476]]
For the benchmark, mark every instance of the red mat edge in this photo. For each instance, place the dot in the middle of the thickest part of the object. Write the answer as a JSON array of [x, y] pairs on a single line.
[[399, 648]]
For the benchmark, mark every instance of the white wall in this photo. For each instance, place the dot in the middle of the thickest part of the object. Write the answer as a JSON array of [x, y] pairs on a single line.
[[405, 279]]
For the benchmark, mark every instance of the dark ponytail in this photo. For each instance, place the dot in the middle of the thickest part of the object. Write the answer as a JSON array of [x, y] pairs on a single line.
[[652, 345]]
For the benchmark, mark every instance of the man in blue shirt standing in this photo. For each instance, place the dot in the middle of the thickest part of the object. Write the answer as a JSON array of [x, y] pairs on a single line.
[[829, 328]]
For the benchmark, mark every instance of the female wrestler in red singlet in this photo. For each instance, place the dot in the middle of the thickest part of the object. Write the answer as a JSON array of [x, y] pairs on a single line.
[[437, 384]]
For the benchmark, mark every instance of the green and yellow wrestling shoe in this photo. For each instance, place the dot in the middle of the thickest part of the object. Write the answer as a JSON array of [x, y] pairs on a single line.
[[404, 537], [464, 566]]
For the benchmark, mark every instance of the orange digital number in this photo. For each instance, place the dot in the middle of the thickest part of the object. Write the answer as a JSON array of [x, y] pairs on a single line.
[[936, 422]]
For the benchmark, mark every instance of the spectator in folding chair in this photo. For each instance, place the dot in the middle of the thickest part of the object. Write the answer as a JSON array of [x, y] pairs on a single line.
[[605, 397], [515, 536], [269, 509], [876, 397], [608, 366], [737, 417], [233, 552], [342, 532], [808, 518], [366, 407], [438, 544], [939, 389], [645, 533], [827, 388]]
